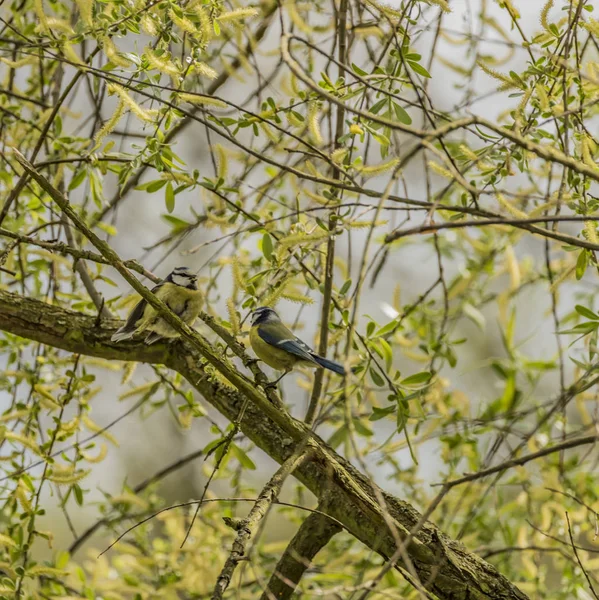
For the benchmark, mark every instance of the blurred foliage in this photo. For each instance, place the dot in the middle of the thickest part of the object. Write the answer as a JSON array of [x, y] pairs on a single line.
[[280, 193]]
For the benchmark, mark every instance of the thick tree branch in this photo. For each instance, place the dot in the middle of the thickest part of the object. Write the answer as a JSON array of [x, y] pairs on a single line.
[[449, 569], [312, 536]]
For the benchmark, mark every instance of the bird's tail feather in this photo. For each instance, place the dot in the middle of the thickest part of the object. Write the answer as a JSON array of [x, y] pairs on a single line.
[[329, 364], [152, 337], [122, 334]]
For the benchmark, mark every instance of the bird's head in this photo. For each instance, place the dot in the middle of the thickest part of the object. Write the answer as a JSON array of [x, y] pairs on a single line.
[[183, 277], [264, 314]]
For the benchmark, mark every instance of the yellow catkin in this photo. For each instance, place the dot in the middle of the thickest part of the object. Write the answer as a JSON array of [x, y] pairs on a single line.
[[524, 101], [439, 170], [296, 297], [507, 82], [233, 317], [590, 228], [178, 177], [274, 295], [70, 426], [23, 440], [136, 109], [6, 541], [545, 13], [514, 13], [302, 238], [109, 126], [21, 492], [203, 100], [205, 25], [543, 98], [95, 428], [297, 19], [85, 10], [313, 123], [71, 54], [41, 15], [503, 201], [468, 153], [317, 197], [183, 23], [67, 477], [112, 52], [148, 25], [161, 63], [222, 161], [14, 415], [366, 223], [513, 268], [239, 279], [98, 458], [592, 26], [374, 170], [442, 4], [15, 64], [587, 157], [293, 120], [374, 30], [268, 132], [128, 372], [237, 15], [58, 25], [201, 68], [339, 155]]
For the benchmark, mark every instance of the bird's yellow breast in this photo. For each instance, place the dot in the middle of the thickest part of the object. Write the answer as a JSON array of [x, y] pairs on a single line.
[[272, 356], [183, 302]]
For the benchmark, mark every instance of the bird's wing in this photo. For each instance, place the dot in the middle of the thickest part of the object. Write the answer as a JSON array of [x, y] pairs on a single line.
[[137, 313], [276, 334]]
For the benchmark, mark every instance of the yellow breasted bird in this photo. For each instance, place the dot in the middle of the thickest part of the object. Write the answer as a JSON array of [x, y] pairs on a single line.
[[179, 291], [276, 345]]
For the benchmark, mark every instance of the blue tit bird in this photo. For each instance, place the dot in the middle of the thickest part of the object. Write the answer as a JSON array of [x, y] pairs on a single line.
[[276, 345], [179, 291]]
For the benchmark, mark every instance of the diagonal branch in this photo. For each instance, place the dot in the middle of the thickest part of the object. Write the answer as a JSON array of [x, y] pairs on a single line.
[[312, 536], [246, 528]]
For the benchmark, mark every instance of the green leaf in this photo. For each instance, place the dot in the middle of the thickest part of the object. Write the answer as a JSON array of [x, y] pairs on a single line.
[[388, 328], [267, 246], [378, 380], [387, 352], [381, 413], [338, 437], [581, 264], [586, 312], [78, 179], [169, 197], [417, 379], [242, 457], [357, 70], [402, 115], [153, 186], [361, 428], [418, 68], [345, 287]]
